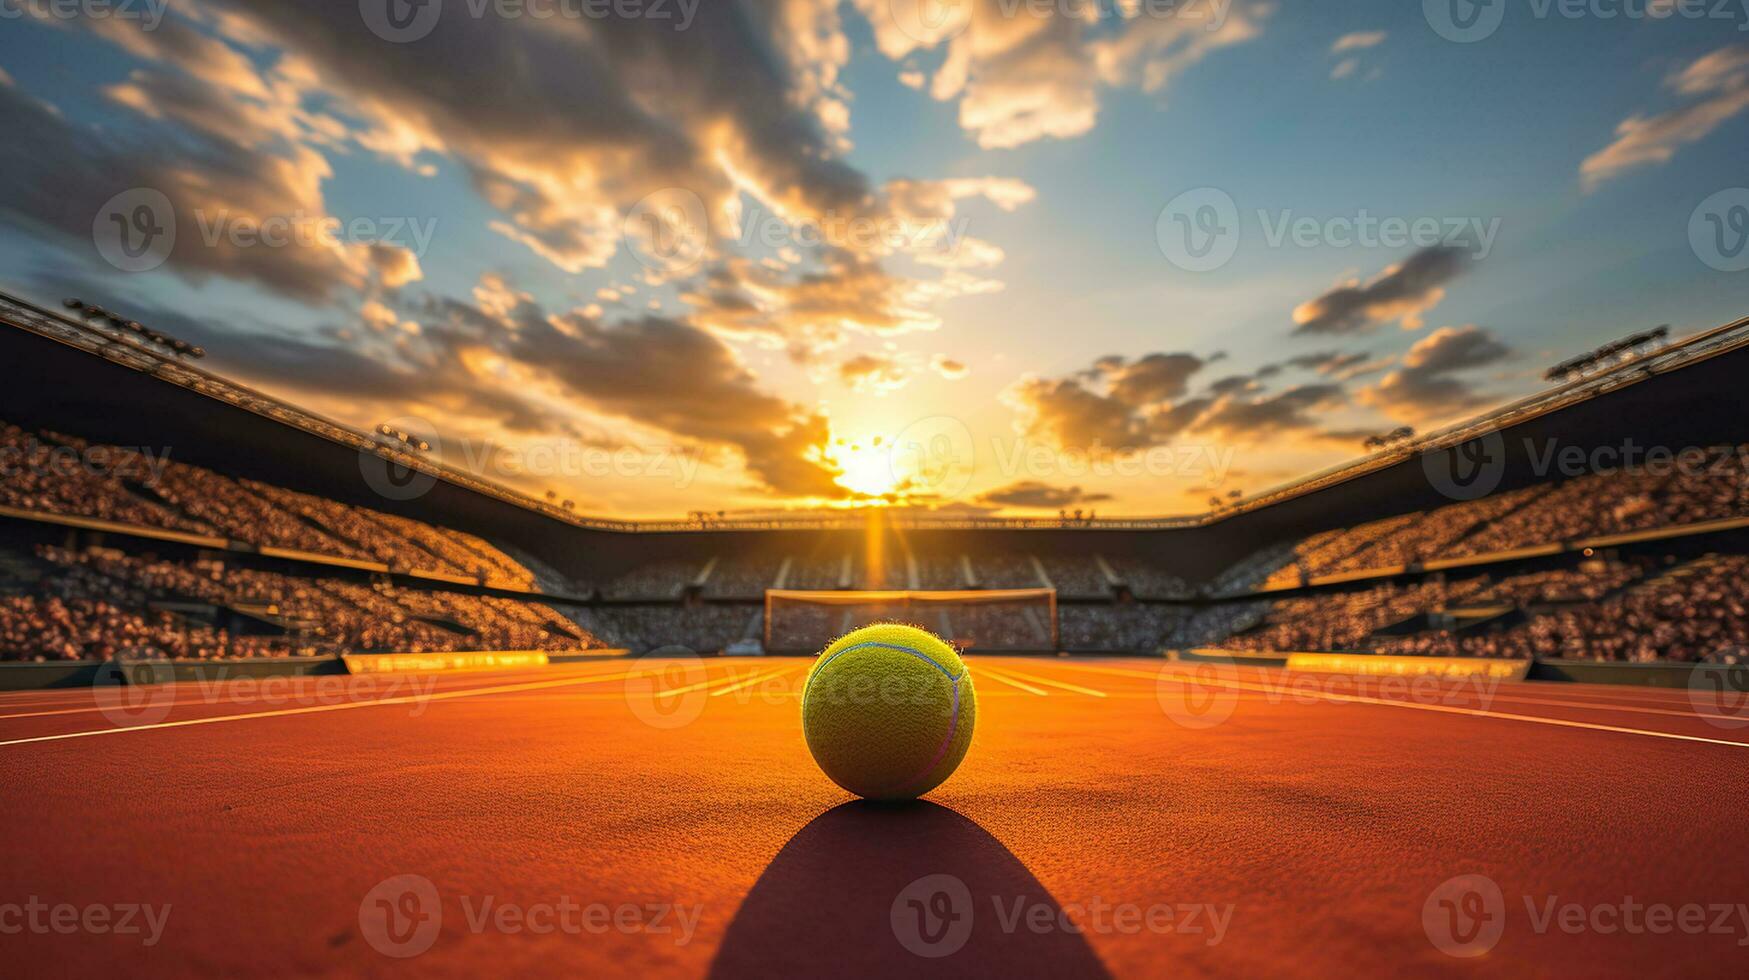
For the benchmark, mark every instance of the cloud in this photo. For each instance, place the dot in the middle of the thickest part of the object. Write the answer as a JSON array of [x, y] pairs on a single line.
[[507, 363], [1357, 41], [873, 374], [374, 374], [561, 132], [1345, 68], [1065, 413], [1150, 401], [1403, 292], [949, 368], [1153, 377], [1022, 73], [1032, 493], [675, 377], [1256, 419], [1427, 384], [226, 175], [812, 310], [1338, 365], [558, 125], [1720, 80]]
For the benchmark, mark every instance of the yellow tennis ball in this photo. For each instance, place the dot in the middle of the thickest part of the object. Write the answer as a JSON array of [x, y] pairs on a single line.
[[888, 711]]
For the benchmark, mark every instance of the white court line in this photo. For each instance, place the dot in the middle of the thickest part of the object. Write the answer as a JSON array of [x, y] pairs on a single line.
[[1071, 688], [314, 709], [1011, 682], [298, 692], [731, 675], [749, 682], [1452, 710]]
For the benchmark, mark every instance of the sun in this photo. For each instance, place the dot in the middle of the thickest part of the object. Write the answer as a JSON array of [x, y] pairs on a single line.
[[865, 465]]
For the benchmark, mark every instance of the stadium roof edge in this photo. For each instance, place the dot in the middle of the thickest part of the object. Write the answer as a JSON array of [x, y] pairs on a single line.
[[121, 348]]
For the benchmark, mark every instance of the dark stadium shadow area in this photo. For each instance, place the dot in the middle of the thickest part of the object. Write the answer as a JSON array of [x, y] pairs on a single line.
[[910, 889]]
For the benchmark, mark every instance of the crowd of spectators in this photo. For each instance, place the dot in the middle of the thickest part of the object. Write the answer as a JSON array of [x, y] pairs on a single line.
[[1119, 628], [61, 474], [1342, 621], [1148, 581], [1687, 488], [49, 628], [1076, 575], [1006, 570], [101, 603], [743, 576], [704, 628], [1695, 613], [942, 571], [40, 474], [1212, 625], [1432, 533], [1600, 610], [822, 570], [1590, 582], [1713, 487], [666, 579]]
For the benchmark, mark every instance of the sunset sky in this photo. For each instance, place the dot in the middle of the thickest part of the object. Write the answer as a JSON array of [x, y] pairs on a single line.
[[1004, 255]]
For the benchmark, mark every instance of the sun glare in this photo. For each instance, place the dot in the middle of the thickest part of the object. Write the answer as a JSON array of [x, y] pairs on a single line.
[[865, 465]]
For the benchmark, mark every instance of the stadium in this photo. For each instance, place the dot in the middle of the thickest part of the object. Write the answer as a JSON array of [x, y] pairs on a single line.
[[264, 533], [177, 585], [873, 488]]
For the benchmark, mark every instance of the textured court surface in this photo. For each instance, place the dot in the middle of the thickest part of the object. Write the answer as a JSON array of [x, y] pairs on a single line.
[[1112, 816]]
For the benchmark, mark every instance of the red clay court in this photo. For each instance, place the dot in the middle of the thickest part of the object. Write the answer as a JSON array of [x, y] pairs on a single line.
[[1119, 816]]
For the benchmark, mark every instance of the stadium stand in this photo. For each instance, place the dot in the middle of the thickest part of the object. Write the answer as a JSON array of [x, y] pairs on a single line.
[[58, 474], [144, 608], [112, 551], [744, 576]]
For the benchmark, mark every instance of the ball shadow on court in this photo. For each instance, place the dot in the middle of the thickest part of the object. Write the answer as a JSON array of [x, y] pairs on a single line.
[[899, 889]]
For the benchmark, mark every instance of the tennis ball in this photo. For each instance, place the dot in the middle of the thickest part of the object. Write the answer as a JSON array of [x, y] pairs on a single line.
[[888, 711]]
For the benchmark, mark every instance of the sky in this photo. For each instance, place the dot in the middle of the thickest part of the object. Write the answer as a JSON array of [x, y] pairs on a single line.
[[985, 256]]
